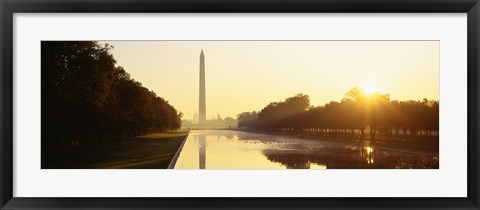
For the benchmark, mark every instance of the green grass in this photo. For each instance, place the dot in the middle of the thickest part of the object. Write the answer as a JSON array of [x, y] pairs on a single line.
[[152, 151]]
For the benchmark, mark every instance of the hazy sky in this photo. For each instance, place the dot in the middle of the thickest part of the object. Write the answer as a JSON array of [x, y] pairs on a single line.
[[247, 75]]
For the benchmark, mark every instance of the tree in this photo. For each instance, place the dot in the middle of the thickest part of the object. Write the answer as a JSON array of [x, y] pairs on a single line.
[[274, 112], [355, 112], [247, 119], [86, 97]]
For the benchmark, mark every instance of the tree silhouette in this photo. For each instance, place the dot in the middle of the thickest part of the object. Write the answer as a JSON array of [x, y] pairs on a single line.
[[356, 112], [86, 97]]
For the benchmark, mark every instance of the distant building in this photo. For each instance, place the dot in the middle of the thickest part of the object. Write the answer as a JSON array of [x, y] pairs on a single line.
[[195, 118]]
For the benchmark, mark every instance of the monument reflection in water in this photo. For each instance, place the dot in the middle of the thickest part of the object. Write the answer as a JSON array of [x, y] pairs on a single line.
[[225, 149]]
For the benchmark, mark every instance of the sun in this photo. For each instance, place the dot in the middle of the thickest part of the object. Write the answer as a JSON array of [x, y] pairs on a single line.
[[369, 89]]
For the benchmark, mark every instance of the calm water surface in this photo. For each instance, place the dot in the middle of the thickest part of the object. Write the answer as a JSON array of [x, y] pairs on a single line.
[[226, 149]]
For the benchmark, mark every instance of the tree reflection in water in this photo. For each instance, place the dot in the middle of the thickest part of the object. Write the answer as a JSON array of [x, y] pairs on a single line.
[[338, 156], [226, 149], [350, 158]]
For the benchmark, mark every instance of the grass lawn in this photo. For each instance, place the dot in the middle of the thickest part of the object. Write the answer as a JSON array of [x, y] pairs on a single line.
[[152, 151]]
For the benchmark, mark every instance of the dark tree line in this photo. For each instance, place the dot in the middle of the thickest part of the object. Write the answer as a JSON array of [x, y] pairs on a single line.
[[86, 97], [358, 114]]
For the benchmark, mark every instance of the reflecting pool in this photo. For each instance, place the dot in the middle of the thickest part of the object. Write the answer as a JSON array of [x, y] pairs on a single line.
[[228, 149]]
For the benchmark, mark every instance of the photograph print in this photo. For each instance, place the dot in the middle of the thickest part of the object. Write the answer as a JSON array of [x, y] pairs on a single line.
[[240, 104]]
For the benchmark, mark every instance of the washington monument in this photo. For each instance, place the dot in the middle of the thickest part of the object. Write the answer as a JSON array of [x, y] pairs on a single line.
[[202, 106]]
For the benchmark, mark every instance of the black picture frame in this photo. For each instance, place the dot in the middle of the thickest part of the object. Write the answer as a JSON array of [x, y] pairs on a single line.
[[9, 7]]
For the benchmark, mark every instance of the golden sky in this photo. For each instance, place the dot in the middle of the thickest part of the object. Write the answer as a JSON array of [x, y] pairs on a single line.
[[248, 75]]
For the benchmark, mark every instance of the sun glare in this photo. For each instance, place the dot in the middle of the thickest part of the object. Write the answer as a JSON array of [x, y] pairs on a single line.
[[369, 89]]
